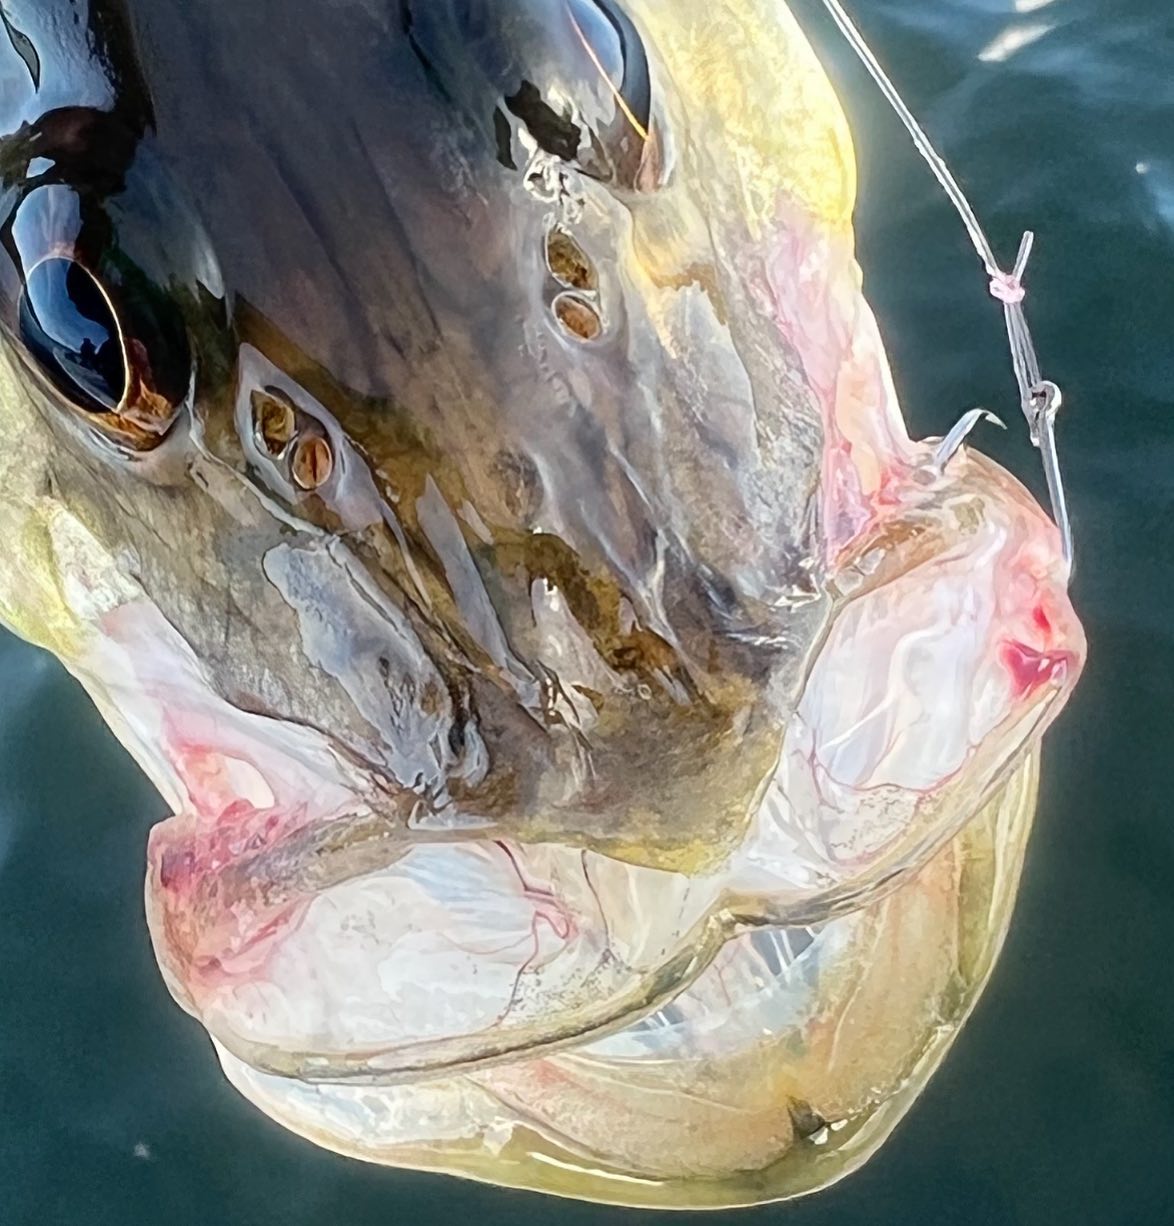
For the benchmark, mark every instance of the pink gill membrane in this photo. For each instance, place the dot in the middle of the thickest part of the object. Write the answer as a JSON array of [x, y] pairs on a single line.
[[953, 645]]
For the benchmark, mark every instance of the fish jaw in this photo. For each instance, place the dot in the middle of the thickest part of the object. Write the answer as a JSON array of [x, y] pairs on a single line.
[[953, 648], [507, 1118], [953, 643], [287, 898], [803, 1049]]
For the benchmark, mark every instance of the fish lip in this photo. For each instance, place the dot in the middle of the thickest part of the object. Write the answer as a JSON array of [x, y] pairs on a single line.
[[1033, 653]]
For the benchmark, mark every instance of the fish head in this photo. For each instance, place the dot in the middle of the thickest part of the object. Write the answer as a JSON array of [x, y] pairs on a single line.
[[450, 443], [422, 373]]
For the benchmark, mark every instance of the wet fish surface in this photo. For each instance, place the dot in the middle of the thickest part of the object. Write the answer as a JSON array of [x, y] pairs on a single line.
[[457, 457]]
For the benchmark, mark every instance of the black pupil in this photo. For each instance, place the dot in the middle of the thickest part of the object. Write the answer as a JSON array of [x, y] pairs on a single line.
[[69, 327]]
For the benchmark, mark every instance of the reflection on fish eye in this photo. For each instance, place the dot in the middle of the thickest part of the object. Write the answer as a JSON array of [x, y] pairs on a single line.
[[615, 48], [110, 343], [601, 38], [69, 326], [618, 148]]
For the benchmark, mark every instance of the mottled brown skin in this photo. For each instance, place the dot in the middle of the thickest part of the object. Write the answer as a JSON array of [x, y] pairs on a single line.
[[341, 189]]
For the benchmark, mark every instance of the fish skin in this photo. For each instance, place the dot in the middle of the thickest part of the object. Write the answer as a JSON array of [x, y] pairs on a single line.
[[864, 1026], [606, 651]]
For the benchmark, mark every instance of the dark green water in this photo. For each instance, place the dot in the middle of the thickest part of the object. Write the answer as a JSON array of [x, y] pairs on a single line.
[[1057, 1104]]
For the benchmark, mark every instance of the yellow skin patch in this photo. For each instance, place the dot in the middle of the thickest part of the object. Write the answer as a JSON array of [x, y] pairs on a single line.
[[745, 75]]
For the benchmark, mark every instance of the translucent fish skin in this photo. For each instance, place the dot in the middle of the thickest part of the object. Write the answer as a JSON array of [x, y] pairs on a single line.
[[587, 715], [758, 1084]]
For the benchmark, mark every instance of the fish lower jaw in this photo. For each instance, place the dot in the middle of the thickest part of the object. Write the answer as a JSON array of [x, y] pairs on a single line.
[[341, 965], [329, 941]]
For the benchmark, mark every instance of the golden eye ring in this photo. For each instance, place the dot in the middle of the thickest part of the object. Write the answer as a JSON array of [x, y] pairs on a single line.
[[73, 330]]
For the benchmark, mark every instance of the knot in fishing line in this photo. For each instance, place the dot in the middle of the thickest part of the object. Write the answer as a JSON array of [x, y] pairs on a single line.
[[1007, 288]]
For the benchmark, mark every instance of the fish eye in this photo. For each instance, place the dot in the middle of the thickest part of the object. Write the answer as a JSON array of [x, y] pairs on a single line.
[[109, 345], [586, 97], [616, 52], [68, 325], [573, 74]]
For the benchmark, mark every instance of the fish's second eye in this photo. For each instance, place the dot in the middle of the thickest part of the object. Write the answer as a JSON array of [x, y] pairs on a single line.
[[616, 52], [69, 326], [585, 91], [571, 78]]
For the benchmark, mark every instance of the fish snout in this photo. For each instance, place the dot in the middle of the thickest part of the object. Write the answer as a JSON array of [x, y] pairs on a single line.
[[1043, 646], [952, 647]]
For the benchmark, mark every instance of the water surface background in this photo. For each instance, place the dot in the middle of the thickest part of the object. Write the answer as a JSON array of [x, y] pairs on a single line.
[[1057, 1103]]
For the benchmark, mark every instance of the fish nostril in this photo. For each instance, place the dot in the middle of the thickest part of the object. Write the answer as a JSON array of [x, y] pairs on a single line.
[[274, 422], [292, 438], [313, 462], [569, 264], [577, 316]]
